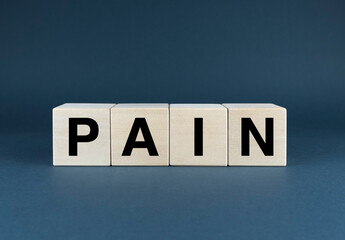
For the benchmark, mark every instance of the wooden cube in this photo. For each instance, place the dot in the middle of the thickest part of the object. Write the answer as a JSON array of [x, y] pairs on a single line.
[[81, 134], [257, 135], [198, 135], [140, 135]]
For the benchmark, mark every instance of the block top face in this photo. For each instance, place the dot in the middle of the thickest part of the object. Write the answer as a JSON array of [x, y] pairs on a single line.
[[86, 106], [251, 106], [194, 106], [142, 105]]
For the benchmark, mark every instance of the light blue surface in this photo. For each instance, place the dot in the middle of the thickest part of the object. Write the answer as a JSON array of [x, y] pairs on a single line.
[[302, 201]]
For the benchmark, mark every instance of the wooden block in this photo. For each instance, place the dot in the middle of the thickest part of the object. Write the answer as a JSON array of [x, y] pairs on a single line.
[[140, 134], [257, 135], [81, 134], [198, 135]]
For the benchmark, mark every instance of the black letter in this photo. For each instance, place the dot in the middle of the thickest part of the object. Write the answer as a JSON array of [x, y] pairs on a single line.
[[248, 126], [198, 145], [74, 138], [140, 123]]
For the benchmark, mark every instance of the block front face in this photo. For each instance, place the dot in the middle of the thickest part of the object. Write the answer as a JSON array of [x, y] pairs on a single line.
[[140, 134], [81, 135], [198, 135], [257, 135]]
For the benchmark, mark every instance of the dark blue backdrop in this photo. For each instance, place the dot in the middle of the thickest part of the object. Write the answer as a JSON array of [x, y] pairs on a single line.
[[287, 52], [291, 53]]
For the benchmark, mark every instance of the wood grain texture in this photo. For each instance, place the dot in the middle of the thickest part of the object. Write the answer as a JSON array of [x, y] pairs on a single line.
[[258, 113], [182, 134], [95, 153], [157, 119]]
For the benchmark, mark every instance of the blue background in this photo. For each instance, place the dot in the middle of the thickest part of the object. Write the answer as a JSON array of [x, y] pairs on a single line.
[[291, 53]]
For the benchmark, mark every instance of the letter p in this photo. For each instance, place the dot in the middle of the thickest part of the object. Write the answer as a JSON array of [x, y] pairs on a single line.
[[74, 138]]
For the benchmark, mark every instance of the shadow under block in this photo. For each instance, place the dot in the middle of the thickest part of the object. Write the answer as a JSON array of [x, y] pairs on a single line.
[[251, 125], [140, 135], [81, 134], [198, 135]]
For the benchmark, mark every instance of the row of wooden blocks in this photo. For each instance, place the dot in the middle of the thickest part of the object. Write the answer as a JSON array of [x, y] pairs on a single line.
[[163, 135]]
